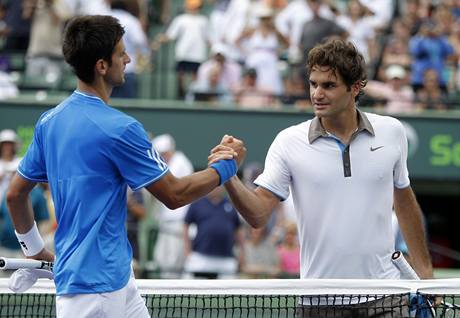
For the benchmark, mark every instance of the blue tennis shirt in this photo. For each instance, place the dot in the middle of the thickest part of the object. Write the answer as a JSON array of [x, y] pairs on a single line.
[[89, 153]]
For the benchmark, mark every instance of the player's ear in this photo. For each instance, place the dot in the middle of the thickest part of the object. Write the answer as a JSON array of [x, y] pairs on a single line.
[[355, 88], [101, 67]]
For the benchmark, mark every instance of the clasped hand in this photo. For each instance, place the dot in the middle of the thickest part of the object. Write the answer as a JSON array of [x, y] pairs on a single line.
[[229, 148]]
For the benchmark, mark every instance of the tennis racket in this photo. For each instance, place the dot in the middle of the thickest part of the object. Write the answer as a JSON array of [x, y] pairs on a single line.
[[407, 272], [17, 263]]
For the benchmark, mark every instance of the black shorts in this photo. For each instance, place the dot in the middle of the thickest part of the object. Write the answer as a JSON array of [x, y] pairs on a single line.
[[187, 67]]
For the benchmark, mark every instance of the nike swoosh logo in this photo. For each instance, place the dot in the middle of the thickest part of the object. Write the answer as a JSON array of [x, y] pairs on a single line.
[[376, 148]]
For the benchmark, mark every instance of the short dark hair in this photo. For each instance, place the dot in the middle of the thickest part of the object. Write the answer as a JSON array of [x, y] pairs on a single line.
[[88, 39], [343, 58]]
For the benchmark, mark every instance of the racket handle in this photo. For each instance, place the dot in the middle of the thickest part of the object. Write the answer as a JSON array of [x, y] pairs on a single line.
[[17, 263], [404, 267]]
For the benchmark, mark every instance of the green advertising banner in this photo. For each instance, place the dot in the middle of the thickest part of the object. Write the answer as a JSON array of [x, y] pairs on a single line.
[[434, 138]]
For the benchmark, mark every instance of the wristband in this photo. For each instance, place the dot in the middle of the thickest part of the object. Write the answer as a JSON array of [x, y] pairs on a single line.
[[226, 169], [31, 242]]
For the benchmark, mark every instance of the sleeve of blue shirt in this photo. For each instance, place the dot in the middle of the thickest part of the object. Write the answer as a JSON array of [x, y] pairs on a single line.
[[137, 162], [32, 166]]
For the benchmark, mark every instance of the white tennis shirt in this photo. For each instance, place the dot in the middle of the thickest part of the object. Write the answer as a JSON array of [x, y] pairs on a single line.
[[343, 194]]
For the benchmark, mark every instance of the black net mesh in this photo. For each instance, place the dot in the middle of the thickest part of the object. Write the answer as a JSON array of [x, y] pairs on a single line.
[[229, 306]]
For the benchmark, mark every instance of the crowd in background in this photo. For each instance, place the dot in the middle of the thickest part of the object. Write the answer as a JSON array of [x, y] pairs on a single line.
[[251, 53]]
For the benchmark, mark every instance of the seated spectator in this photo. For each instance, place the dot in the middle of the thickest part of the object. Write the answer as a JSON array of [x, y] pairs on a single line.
[[260, 258], [218, 77], [250, 95], [396, 51], [289, 252], [431, 96], [430, 49], [397, 95]]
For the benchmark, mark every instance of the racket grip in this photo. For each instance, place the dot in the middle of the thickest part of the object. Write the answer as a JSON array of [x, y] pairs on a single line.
[[17, 263], [404, 267]]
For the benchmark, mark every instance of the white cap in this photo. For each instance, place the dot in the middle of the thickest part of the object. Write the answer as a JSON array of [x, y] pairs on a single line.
[[164, 143], [395, 71], [8, 135], [262, 11], [218, 48]]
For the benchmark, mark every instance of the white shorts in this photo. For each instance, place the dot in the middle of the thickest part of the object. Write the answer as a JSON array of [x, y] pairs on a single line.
[[225, 267], [125, 302]]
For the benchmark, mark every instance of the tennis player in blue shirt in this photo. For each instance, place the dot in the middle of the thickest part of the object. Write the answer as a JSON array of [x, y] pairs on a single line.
[[89, 153]]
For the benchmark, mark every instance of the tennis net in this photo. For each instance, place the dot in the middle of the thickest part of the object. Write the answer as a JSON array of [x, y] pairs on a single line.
[[267, 298]]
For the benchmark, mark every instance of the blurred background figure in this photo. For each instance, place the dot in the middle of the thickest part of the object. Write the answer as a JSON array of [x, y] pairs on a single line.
[[136, 213], [218, 78], [168, 251], [289, 252], [190, 30], [394, 94], [44, 52], [261, 45], [9, 159], [431, 95], [211, 249], [260, 257], [136, 45], [250, 95], [430, 49]]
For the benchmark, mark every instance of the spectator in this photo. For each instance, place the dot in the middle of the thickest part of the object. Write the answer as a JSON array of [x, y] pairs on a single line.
[[169, 248], [315, 31], [261, 45], [260, 258], [360, 30], [379, 13], [44, 54], [18, 21], [430, 95], [290, 22], [136, 212], [190, 31], [398, 97], [250, 95], [219, 75], [289, 252], [211, 252], [9, 160], [83, 7], [430, 50], [136, 45]]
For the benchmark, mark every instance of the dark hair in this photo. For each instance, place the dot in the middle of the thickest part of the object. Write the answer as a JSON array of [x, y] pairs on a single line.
[[343, 59], [88, 39]]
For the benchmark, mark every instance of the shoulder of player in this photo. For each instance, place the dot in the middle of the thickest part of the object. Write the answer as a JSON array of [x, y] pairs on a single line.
[[383, 122]]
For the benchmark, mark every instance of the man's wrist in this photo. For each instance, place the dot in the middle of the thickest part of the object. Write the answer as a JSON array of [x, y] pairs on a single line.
[[31, 242], [225, 169]]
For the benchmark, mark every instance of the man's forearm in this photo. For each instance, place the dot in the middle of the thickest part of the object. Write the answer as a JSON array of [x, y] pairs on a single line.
[[20, 209], [411, 223], [247, 203]]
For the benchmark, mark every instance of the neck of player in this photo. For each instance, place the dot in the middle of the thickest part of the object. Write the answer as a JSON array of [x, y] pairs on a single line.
[[98, 88], [343, 125]]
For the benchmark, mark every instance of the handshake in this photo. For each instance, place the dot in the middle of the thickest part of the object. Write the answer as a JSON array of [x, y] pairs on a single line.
[[226, 157]]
